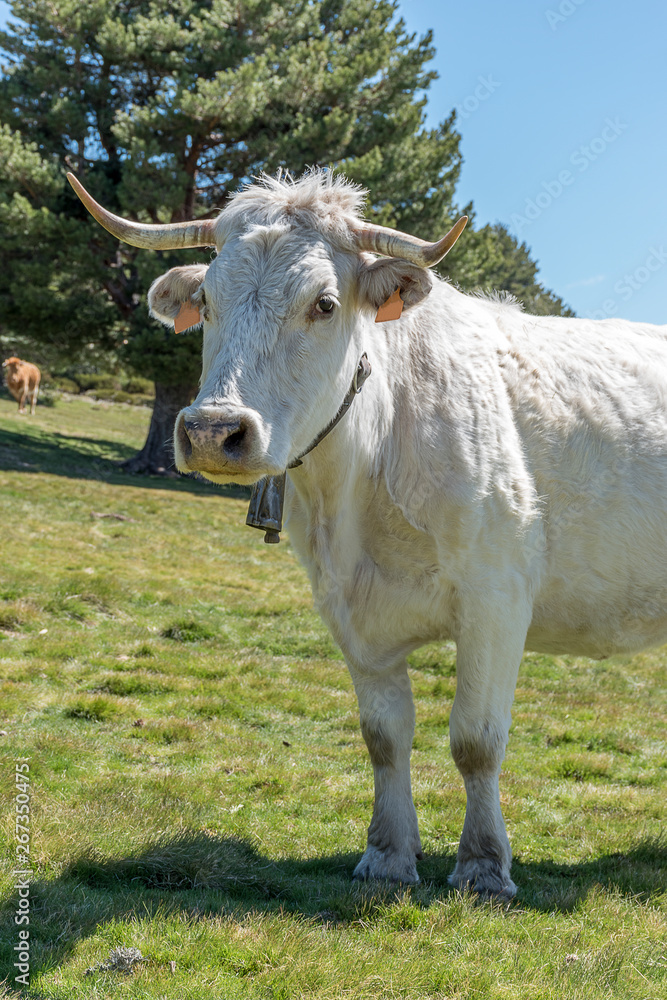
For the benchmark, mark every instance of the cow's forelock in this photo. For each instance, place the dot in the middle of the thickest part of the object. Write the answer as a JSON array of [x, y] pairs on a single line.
[[320, 201]]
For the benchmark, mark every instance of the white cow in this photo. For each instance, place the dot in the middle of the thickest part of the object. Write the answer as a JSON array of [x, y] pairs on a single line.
[[501, 480]]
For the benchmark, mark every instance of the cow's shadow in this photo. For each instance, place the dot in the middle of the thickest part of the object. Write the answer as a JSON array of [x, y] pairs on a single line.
[[201, 876]]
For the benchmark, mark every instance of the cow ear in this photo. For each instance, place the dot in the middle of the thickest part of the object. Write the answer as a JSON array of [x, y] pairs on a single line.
[[380, 279], [178, 287]]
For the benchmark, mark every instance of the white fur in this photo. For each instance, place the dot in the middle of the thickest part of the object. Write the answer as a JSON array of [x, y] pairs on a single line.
[[501, 481]]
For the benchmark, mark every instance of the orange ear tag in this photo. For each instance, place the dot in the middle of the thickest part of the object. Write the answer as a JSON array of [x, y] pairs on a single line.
[[391, 309], [188, 315]]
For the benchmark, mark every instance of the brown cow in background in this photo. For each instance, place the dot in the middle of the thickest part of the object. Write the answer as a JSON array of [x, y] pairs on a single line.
[[22, 381]]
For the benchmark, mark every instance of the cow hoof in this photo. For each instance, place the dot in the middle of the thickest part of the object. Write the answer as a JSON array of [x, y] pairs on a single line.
[[387, 866], [484, 877]]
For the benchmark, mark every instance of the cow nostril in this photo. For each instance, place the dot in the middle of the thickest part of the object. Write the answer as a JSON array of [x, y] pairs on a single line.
[[210, 443], [234, 442], [184, 442]]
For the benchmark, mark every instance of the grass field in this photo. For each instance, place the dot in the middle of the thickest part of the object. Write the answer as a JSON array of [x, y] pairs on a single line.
[[199, 788]]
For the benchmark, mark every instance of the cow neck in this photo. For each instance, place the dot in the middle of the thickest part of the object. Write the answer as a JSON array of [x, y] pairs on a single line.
[[265, 510]]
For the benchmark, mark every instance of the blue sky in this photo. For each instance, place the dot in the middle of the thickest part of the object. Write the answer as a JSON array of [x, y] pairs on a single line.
[[563, 115], [564, 135]]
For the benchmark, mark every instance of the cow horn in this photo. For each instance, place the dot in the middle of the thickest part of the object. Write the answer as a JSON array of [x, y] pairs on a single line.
[[171, 236], [392, 243]]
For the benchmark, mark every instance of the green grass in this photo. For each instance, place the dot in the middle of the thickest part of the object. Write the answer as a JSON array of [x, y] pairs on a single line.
[[200, 789]]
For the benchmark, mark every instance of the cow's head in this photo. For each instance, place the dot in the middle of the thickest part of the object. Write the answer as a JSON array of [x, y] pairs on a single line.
[[282, 305], [11, 363]]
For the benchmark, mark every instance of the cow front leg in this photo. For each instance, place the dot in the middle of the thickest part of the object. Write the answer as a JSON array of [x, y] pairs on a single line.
[[488, 658], [387, 717]]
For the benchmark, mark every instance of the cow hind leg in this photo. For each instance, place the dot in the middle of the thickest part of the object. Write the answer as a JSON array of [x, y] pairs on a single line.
[[387, 719], [488, 661]]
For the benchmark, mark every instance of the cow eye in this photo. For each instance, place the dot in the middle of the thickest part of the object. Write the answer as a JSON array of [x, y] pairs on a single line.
[[325, 305]]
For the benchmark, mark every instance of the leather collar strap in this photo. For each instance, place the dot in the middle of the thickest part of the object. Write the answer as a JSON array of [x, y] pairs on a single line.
[[265, 510], [360, 376]]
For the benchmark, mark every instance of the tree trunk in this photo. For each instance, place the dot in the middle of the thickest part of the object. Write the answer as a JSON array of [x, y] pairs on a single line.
[[157, 455]]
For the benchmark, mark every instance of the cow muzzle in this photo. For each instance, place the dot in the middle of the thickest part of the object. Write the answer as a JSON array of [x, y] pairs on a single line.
[[218, 442]]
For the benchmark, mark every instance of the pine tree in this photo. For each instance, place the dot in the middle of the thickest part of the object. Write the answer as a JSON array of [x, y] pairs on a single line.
[[162, 109]]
